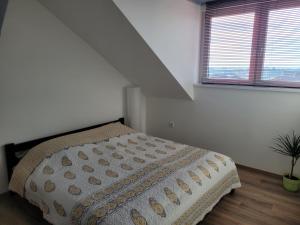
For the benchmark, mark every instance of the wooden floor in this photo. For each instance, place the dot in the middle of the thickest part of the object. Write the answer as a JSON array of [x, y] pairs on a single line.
[[260, 201]]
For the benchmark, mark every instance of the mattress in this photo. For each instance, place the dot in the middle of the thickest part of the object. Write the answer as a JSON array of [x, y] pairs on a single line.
[[115, 175]]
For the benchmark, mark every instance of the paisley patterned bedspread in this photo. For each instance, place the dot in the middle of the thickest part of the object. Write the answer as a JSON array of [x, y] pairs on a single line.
[[129, 179]]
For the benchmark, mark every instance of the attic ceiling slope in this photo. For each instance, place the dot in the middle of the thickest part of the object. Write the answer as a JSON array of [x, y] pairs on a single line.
[[101, 24], [171, 28]]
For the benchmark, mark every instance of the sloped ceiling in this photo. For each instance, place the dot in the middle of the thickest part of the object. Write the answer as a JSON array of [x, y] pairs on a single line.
[[104, 27], [171, 28]]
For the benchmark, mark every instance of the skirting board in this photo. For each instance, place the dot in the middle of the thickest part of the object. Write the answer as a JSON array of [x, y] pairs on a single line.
[[257, 170]]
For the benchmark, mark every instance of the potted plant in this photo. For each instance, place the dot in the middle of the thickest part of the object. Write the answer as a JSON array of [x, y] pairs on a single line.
[[289, 145]]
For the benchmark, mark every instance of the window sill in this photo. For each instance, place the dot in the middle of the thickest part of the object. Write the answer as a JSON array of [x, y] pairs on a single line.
[[248, 88]]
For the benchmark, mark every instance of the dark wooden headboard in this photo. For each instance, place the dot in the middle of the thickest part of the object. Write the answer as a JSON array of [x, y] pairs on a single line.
[[14, 151]]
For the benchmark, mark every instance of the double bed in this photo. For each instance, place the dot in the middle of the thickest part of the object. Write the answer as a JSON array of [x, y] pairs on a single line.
[[112, 174]]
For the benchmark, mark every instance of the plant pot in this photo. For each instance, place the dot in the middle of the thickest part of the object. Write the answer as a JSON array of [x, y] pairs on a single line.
[[292, 185]]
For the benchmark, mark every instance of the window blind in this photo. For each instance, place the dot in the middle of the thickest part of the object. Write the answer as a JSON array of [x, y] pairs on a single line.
[[252, 42], [282, 51]]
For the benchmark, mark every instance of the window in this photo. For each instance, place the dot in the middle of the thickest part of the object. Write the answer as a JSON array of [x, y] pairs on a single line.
[[252, 42]]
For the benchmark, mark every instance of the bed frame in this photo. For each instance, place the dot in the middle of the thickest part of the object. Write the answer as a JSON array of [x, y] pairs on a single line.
[[14, 151]]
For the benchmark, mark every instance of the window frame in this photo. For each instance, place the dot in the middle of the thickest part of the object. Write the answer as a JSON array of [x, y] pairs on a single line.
[[259, 38]]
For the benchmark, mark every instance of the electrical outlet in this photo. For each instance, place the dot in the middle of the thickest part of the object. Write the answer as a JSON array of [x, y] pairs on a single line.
[[171, 124]]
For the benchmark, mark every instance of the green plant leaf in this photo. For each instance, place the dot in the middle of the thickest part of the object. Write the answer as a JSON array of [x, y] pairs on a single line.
[[288, 145]]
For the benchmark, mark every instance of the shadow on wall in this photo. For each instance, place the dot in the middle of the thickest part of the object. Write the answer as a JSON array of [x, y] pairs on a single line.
[[62, 85], [3, 5]]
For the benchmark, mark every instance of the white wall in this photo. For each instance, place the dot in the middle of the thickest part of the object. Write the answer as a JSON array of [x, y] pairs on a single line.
[[171, 28], [135, 109], [238, 123], [101, 24], [50, 80]]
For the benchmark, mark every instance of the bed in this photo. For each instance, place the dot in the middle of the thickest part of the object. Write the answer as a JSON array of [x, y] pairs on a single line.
[[112, 174]]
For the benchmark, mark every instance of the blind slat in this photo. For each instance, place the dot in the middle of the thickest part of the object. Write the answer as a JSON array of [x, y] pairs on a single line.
[[252, 39]]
